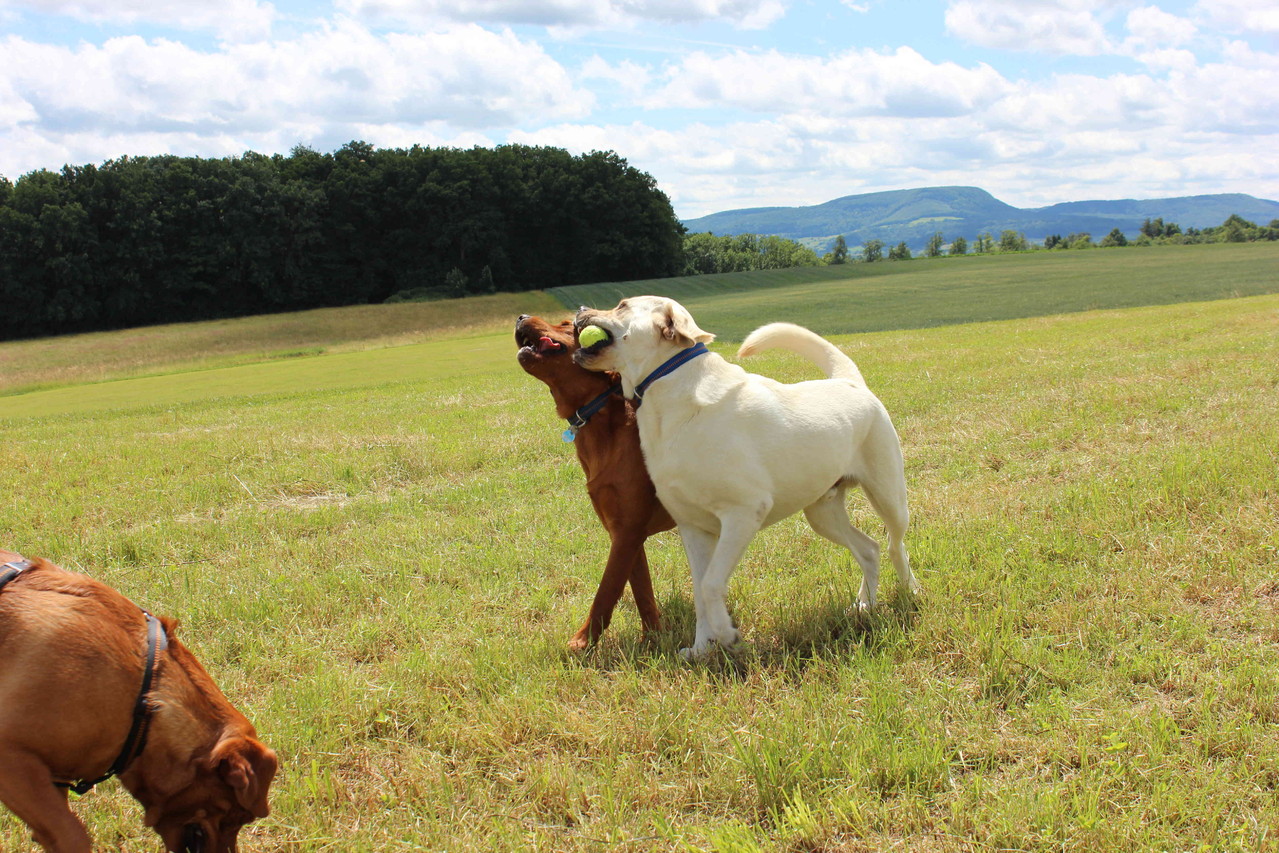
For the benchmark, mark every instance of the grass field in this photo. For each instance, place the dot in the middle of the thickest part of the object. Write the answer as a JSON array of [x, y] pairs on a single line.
[[380, 555], [938, 292], [183, 347]]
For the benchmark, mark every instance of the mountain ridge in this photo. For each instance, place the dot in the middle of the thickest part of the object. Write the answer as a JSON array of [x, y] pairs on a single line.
[[913, 215]]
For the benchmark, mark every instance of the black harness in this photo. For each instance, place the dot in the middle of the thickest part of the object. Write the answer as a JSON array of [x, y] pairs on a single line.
[[9, 571], [590, 410], [157, 641]]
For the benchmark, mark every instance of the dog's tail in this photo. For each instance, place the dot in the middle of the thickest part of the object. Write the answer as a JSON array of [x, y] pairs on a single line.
[[810, 345]]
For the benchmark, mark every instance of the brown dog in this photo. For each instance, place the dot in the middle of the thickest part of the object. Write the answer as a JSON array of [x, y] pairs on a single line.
[[609, 450], [74, 691]]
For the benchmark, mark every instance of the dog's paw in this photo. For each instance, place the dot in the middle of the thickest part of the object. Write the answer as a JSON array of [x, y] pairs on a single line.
[[700, 651], [581, 641]]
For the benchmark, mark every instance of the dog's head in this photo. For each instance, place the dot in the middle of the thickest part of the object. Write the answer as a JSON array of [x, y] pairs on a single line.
[[640, 334], [546, 351], [227, 790]]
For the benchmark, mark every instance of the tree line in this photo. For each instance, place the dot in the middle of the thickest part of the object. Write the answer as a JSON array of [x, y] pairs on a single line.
[[143, 240]]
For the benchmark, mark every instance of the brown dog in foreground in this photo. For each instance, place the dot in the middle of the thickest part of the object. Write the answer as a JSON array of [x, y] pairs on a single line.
[[74, 691], [608, 448]]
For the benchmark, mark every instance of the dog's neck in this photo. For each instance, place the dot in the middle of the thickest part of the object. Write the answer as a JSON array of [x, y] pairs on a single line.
[[190, 717], [572, 394]]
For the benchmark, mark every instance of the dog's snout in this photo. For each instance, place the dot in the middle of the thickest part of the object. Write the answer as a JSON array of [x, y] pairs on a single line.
[[521, 319]]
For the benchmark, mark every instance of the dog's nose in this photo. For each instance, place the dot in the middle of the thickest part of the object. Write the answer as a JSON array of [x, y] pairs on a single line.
[[521, 318]]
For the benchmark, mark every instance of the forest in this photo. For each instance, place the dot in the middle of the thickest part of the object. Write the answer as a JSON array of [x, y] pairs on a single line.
[[144, 240]]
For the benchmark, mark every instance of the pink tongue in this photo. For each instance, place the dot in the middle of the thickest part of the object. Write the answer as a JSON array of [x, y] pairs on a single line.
[[546, 343]]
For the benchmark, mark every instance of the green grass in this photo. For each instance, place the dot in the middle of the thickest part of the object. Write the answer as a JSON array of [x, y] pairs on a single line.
[[380, 556], [181, 347], [937, 292]]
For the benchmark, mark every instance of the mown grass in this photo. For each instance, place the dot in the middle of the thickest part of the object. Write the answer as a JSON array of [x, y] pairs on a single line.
[[179, 347], [937, 292], [382, 571]]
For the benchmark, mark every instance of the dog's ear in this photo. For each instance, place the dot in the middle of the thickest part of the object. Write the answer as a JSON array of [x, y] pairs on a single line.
[[678, 325], [248, 767]]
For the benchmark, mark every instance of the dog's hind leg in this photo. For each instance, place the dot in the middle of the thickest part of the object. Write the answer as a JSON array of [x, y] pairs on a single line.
[[27, 788], [887, 496], [829, 518]]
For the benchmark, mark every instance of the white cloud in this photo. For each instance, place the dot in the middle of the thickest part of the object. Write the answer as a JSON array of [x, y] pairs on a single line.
[[631, 77], [1241, 16], [326, 83], [230, 19], [854, 83], [1183, 61], [572, 14], [1066, 27], [1150, 27]]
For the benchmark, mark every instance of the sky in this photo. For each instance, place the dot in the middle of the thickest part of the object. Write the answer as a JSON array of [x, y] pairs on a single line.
[[727, 103]]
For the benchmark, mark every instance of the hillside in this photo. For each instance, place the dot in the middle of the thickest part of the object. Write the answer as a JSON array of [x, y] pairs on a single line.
[[914, 215]]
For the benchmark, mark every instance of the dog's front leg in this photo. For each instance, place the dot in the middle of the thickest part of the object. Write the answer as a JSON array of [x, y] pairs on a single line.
[[27, 788], [714, 625], [642, 589], [699, 547], [626, 548]]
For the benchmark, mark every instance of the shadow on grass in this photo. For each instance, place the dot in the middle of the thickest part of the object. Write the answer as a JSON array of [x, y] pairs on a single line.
[[802, 635]]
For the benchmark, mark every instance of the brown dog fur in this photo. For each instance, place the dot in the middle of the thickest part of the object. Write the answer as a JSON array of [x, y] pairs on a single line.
[[608, 449], [74, 652]]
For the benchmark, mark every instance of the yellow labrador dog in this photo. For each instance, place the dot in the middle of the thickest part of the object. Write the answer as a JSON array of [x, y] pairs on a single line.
[[731, 452]]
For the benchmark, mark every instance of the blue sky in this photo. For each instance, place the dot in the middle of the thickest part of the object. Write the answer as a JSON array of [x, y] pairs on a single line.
[[727, 103]]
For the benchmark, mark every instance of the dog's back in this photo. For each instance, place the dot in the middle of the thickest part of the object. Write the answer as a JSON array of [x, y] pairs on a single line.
[[58, 628], [48, 601]]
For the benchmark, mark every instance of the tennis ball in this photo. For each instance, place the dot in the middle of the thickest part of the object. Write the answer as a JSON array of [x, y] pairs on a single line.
[[591, 335]]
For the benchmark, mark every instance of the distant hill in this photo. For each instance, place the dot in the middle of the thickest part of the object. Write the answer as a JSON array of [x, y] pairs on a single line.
[[913, 216]]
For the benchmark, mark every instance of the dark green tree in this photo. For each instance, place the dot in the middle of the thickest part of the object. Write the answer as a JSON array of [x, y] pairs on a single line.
[[935, 244], [153, 239], [1114, 238], [839, 254], [1012, 241], [872, 250]]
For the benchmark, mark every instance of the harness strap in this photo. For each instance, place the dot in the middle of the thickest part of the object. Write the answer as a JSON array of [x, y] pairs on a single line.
[[11, 570], [590, 410], [157, 641], [667, 367]]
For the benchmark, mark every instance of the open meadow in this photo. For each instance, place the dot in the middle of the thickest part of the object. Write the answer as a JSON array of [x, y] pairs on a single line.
[[380, 546]]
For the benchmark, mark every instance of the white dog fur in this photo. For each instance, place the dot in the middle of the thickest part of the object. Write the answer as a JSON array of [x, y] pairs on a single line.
[[731, 452]]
